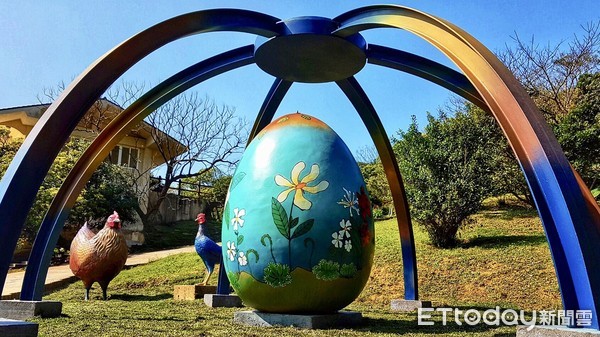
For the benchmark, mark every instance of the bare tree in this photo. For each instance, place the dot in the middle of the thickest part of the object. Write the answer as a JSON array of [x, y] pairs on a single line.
[[192, 136], [367, 154], [208, 137], [101, 112], [550, 73]]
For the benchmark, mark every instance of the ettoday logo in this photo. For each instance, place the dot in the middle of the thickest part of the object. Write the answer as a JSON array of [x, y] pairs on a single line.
[[497, 317]]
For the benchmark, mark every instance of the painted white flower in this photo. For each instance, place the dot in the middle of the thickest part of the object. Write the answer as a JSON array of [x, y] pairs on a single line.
[[348, 245], [337, 240], [231, 250], [346, 227], [299, 186], [349, 201], [242, 259], [237, 219]]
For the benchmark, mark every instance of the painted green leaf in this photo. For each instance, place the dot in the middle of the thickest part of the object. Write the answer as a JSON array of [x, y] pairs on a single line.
[[294, 223], [356, 244], [234, 279], [280, 217], [303, 228], [254, 252], [227, 215], [236, 180], [266, 236], [240, 239]]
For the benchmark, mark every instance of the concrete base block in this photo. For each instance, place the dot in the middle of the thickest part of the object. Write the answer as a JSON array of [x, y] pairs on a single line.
[[22, 310], [341, 319], [555, 331], [12, 328], [409, 305], [192, 292], [223, 301]]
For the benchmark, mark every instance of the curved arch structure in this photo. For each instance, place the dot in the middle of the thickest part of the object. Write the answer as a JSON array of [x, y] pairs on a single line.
[[569, 213], [33, 160], [52, 224], [572, 228]]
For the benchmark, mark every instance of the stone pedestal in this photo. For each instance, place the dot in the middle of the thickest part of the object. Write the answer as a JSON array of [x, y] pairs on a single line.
[[192, 292], [12, 328], [21, 310], [409, 305], [341, 319], [555, 331], [223, 301]]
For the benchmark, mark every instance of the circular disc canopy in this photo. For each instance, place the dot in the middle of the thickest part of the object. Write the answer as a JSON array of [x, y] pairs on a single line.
[[307, 52]]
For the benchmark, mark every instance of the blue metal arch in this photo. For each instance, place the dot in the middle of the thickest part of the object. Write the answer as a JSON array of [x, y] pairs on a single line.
[[53, 222], [367, 113], [571, 223], [26, 172], [570, 218], [426, 69], [278, 90]]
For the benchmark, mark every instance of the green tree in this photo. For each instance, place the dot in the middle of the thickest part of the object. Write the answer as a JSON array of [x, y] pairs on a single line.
[[8, 148], [377, 185], [107, 190], [579, 131], [211, 188], [375, 179], [447, 171], [208, 137]]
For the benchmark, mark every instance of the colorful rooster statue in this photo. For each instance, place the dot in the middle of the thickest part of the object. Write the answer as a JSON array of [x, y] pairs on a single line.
[[99, 257], [209, 251]]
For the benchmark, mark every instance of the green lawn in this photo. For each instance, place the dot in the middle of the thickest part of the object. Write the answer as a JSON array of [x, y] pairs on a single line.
[[504, 261]]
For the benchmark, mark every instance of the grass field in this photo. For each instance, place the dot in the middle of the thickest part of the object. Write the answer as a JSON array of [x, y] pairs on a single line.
[[503, 261]]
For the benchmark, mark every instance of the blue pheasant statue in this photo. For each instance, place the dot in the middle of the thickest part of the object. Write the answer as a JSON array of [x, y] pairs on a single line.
[[209, 251]]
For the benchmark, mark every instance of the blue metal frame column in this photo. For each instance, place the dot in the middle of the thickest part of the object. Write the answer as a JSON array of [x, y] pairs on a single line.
[[426, 69], [367, 113], [278, 90]]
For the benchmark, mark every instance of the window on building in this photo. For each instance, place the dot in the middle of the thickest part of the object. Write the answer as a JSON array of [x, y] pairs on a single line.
[[124, 156]]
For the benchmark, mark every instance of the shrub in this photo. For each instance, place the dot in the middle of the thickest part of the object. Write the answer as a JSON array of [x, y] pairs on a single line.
[[447, 171]]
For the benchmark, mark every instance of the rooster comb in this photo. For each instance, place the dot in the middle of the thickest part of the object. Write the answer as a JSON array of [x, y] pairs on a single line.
[[113, 217]]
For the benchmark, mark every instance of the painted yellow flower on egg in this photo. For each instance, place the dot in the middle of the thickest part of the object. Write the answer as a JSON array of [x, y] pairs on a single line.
[[299, 186]]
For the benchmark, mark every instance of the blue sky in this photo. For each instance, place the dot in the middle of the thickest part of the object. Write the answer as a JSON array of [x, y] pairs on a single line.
[[45, 42]]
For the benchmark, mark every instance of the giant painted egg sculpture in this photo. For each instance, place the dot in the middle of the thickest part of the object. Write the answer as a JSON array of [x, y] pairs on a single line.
[[298, 232]]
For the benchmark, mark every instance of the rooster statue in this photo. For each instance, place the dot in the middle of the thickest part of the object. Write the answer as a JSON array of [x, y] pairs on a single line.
[[209, 251], [98, 257]]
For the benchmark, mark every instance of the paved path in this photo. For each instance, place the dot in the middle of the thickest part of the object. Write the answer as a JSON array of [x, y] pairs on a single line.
[[60, 275]]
